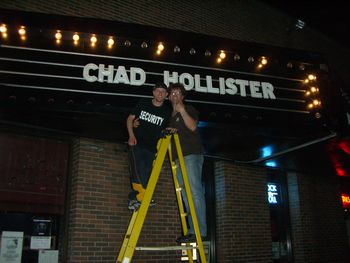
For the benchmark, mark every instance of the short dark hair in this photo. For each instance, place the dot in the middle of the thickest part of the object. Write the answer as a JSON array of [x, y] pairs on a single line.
[[160, 85], [177, 86]]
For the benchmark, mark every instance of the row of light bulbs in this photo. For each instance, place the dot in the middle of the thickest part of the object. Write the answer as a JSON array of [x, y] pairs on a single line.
[[312, 92], [111, 41]]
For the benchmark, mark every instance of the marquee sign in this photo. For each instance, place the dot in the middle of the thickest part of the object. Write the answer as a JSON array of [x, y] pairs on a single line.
[[226, 83]]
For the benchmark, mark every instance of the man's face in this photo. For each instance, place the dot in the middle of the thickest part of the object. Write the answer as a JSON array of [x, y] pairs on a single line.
[[159, 94], [176, 96]]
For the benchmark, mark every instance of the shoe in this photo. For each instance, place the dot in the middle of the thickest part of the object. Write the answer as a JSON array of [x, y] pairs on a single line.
[[190, 238], [133, 205], [186, 239], [153, 203]]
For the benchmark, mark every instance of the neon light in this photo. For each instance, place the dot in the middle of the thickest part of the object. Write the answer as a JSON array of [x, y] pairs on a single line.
[[344, 145], [345, 200], [266, 151], [271, 164], [272, 194]]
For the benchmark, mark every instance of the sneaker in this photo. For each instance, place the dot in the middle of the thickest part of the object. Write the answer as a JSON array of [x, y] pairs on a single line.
[[190, 238], [186, 239], [133, 205], [153, 203]]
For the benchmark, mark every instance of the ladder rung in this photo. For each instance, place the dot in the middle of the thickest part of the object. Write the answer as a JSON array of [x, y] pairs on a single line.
[[166, 248]]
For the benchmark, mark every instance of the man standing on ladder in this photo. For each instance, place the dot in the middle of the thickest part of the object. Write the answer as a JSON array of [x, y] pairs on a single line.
[[184, 120], [144, 124]]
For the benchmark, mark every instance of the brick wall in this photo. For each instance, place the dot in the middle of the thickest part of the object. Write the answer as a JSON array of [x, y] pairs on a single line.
[[318, 231], [98, 214], [242, 214]]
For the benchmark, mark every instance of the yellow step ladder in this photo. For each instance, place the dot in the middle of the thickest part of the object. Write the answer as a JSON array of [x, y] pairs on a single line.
[[136, 222]]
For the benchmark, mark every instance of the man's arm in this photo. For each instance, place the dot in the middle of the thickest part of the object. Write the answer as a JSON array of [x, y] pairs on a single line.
[[190, 122], [129, 125]]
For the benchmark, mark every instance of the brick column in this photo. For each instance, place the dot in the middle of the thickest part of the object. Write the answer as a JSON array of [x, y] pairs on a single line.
[[242, 214], [98, 214], [317, 219]]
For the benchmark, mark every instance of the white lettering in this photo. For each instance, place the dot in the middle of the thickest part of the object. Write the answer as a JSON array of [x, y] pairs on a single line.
[[187, 80], [86, 72], [232, 88], [174, 78], [242, 85], [254, 89], [137, 76], [272, 193], [198, 87], [146, 116], [121, 76], [222, 85], [267, 90], [103, 72], [210, 86]]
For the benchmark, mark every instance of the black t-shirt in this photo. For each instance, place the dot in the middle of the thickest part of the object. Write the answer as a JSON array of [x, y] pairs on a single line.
[[153, 120], [190, 140]]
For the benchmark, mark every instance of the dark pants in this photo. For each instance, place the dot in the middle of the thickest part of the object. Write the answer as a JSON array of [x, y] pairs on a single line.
[[140, 165]]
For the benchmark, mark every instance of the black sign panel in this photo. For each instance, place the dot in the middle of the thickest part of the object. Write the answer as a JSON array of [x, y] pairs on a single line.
[[227, 80], [50, 69]]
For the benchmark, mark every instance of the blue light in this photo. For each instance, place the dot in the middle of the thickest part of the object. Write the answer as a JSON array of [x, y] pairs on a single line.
[[271, 164], [202, 124], [266, 151]]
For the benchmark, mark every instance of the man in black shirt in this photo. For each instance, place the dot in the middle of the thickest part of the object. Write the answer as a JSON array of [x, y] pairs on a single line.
[[151, 116], [184, 119]]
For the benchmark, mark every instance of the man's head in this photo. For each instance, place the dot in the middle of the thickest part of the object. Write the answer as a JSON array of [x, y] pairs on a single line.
[[176, 92], [160, 92]]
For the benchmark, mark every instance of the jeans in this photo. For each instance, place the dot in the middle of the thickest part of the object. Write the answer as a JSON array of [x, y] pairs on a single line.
[[194, 163], [140, 165]]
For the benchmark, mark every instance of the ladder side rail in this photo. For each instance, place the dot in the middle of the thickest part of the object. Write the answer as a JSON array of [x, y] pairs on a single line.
[[179, 199], [128, 252], [189, 198], [127, 236], [178, 192]]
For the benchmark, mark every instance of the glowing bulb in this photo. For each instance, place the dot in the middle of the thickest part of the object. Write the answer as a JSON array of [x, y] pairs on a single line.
[[310, 106], [3, 28], [58, 35], [263, 61], [311, 77], [316, 102], [76, 37], [93, 39], [158, 52], [307, 93], [160, 46], [222, 55], [110, 42], [22, 31], [313, 89], [219, 60]]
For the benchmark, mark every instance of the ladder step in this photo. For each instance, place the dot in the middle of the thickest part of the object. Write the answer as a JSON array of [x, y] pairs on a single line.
[[168, 248]]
